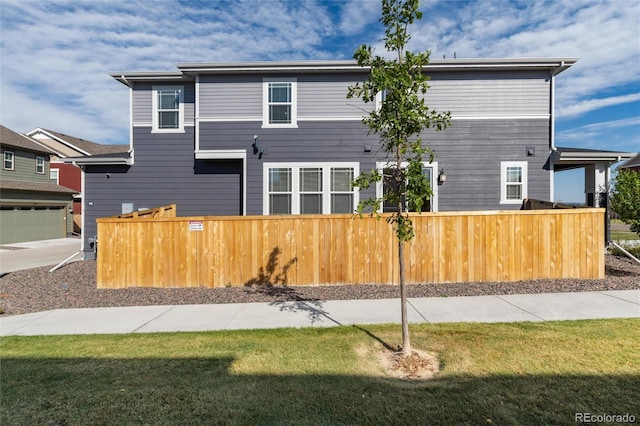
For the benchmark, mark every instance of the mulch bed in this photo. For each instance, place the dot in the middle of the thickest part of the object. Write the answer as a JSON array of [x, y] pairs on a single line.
[[74, 286]]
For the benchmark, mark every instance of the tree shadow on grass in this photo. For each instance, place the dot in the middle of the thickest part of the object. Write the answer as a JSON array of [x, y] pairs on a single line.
[[206, 390]]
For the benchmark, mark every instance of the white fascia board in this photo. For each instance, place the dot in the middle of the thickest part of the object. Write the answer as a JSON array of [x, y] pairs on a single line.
[[99, 161], [221, 154], [556, 64]]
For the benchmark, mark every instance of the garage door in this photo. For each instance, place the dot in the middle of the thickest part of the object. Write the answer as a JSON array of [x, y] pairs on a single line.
[[20, 224]]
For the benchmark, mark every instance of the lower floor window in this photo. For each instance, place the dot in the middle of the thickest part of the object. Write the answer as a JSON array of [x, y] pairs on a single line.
[[309, 188], [513, 182]]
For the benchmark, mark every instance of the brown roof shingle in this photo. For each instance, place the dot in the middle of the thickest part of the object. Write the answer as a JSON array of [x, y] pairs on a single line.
[[19, 185], [13, 139], [92, 148]]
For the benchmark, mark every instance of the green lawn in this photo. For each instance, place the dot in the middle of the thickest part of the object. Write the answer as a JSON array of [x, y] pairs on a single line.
[[622, 234], [521, 373]]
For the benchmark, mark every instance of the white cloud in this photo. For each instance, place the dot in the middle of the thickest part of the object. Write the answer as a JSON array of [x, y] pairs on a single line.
[[594, 104], [56, 55], [619, 134]]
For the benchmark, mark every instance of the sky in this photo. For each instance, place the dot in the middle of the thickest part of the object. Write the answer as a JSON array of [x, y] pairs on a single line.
[[55, 56]]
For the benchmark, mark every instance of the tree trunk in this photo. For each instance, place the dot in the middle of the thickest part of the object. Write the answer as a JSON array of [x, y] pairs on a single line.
[[406, 341]]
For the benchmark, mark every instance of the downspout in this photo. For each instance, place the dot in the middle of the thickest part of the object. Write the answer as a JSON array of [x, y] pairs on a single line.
[[552, 106], [552, 128], [82, 204]]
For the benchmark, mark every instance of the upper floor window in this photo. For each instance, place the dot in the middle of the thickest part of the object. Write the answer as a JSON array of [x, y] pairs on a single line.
[[40, 165], [8, 160], [513, 182], [168, 108], [54, 176], [279, 102]]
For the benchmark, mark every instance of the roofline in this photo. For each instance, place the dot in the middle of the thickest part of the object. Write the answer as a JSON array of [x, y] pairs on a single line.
[[99, 161], [56, 138], [555, 65], [44, 150], [591, 155], [169, 76]]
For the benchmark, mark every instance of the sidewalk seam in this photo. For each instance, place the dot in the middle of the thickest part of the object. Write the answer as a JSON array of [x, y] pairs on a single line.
[[619, 298], [135, 330], [419, 313], [518, 307]]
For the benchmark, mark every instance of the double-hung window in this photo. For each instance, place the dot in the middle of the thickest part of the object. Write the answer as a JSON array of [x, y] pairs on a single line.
[[54, 176], [8, 160], [279, 102], [309, 188], [513, 182], [168, 108], [40, 165]]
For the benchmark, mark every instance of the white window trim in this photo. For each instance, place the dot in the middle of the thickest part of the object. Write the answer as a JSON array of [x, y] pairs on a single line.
[[44, 166], [295, 183], [13, 160], [154, 107], [379, 99], [434, 179], [503, 181], [265, 103]]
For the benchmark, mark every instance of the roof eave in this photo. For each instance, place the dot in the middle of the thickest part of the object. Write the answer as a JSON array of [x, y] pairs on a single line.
[[127, 78], [98, 161], [186, 70]]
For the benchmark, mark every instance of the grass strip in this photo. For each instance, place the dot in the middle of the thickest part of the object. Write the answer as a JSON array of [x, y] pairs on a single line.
[[515, 373]]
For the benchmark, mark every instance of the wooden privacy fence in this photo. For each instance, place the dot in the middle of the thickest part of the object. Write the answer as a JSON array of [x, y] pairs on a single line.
[[339, 249]]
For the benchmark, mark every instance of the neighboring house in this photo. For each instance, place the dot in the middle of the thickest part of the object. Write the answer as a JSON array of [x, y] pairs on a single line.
[[69, 175], [632, 164], [261, 138], [31, 207]]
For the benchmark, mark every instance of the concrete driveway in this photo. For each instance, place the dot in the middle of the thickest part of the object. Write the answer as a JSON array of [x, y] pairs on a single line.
[[32, 254]]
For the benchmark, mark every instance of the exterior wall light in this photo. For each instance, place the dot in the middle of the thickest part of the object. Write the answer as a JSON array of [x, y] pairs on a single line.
[[442, 178], [256, 147]]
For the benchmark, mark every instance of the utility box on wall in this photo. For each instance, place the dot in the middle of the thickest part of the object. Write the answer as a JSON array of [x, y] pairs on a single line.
[[127, 208]]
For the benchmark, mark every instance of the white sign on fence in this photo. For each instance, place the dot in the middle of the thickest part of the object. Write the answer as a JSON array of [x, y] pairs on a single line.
[[196, 225]]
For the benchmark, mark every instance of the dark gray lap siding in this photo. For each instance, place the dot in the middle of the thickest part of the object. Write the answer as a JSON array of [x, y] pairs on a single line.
[[164, 172], [469, 152]]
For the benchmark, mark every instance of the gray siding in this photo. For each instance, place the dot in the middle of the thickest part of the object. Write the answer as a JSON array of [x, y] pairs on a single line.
[[470, 152], [164, 172], [142, 99], [321, 96], [230, 97], [496, 94]]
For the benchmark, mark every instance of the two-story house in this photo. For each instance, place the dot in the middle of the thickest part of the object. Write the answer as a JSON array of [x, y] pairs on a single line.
[[265, 138], [31, 207]]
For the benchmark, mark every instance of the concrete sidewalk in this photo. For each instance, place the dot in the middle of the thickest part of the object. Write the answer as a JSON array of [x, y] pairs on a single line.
[[32, 254], [148, 319]]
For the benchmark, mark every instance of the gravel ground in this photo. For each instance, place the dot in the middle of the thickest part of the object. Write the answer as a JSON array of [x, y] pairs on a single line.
[[74, 286]]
